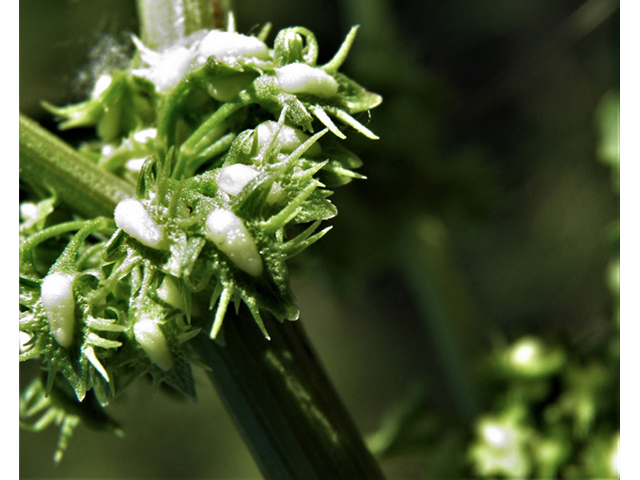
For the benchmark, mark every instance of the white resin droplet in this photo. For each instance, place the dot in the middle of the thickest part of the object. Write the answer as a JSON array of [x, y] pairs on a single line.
[[101, 85], [232, 238], [170, 293], [234, 178], [59, 303], [223, 44], [153, 342], [131, 216], [302, 78]]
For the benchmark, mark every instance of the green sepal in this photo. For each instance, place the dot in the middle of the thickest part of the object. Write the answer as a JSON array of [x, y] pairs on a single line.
[[354, 98], [295, 44]]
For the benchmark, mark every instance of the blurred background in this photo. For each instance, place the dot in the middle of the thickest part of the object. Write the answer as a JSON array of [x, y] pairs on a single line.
[[466, 301]]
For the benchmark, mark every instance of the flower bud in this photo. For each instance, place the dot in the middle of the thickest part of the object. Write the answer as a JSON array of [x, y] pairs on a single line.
[[59, 303], [234, 178], [131, 216], [302, 78], [153, 342], [232, 238]]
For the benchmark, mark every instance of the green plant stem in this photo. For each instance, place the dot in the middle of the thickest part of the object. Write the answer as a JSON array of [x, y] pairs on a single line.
[[283, 403], [46, 161], [276, 392]]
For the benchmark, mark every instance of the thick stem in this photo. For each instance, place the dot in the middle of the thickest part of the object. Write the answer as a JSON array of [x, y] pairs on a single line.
[[48, 162], [283, 403], [164, 22]]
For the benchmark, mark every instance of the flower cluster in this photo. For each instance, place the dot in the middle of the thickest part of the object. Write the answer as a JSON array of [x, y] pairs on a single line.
[[231, 146]]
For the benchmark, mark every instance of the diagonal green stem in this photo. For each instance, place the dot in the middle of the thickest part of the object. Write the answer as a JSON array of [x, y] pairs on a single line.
[[46, 161]]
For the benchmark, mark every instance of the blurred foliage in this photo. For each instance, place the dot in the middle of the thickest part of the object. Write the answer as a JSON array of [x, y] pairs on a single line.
[[479, 261]]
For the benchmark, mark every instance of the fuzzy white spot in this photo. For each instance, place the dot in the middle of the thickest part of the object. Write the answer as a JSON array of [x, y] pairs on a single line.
[[166, 68], [170, 293], [222, 44], [131, 216], [302, 78], [28, 211], [101, 85], [143, 136], [526, 352], [59, 303], [289, 138], [495, 435], [135, 164], [24, 338], [232, 238], [153, 342], [234, 178]]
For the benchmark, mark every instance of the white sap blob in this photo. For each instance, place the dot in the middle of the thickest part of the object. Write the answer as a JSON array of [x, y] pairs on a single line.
[[131, 216], [223, 44], [234, 178], [143, 136], [101, 85], [302, 78], [153, 342], [135, 164], [232, 238], [170, 293], [59, 303], [289, 138]]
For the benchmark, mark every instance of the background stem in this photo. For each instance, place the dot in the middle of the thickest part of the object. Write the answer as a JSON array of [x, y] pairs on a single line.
[[164, 22], [283, 403]]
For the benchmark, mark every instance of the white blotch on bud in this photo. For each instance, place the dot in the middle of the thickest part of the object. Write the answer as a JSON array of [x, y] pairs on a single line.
[[232, 238], [302, 78], [153, 342], [289, 138], [222, 44], [143, 136], [59, 303], [24, 338], [101, 85], [131, 216], [170, 293], [234, 178], [28, 211]]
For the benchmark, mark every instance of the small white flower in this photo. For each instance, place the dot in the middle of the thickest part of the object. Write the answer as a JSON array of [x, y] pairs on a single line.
[[101, 85], [170, 293], [131, 216], [234, 178], [302, 78], [153, 342], [28, 211], [232, 238], [227, 46], [59, 303]]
